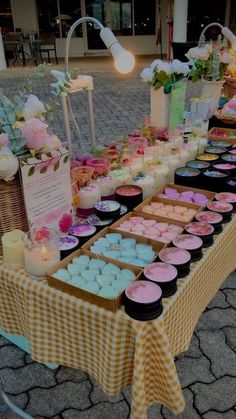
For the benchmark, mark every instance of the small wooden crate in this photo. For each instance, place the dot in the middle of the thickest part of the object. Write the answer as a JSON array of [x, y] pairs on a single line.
[[111, 304], [213, 137]]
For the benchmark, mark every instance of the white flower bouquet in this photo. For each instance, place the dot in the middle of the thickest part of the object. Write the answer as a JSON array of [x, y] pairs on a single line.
[[165, 74]]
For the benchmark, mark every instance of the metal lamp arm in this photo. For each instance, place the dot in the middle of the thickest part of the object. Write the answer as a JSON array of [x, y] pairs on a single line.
[[73, 27]]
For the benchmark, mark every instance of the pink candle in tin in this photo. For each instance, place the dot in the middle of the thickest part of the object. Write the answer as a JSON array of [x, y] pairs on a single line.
[[143, 292], [210, 217], [160, 272], [128, 190], [174, 255], [226, 197]]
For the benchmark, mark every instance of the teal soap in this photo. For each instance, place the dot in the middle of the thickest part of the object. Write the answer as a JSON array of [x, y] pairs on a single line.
[[113, 237], [140, 247], [114, 254], [62, 274], [82, 259], [90, 274], [77, 281], [98, 249], [92, 287], [126, 274], [96, 264], [120, 284], [102, 242], [128, 243], [147, 256], [110, 269], [108, 292], [73, 268], [104, 279], [129, 252]]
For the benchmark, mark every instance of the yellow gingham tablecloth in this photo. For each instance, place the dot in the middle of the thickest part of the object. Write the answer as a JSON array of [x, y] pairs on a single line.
[[115, 349]]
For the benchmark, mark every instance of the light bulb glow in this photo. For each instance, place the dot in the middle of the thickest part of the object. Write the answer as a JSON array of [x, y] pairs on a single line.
[[125, 62]]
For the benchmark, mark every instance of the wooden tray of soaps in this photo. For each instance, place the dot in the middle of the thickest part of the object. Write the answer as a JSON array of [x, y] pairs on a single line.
[[111, 304], [227, 131], [180, 188]]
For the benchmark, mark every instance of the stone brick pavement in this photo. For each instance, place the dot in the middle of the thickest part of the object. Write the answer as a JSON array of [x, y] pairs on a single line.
[[207, 371]]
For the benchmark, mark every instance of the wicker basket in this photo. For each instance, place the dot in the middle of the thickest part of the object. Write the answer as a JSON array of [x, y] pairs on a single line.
[[12, 208], [229, 89], [226, 119]]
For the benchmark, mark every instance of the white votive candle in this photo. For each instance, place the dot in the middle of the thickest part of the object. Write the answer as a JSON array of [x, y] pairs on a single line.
[[39, 260], [13, 254], [89, 196]]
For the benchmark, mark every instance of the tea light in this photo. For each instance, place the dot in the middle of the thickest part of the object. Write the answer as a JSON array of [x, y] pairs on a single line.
[[129, 195], [205, 231], [142, 300], [41, 251], [180, 258], [13, 250], [164, 275], [187, 177], [224, 208], [146, 182], [89, 196], [233, 151], [191, 243], [230, 167]]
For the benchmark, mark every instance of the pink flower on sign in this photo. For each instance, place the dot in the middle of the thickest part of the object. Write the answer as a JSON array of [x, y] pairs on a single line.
[[3, 139], [35, 134], [53, 142], [65, 223]]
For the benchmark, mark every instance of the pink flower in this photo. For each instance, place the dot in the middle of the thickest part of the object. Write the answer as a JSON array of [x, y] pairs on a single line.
[[65, 223], [35, 134], [53, 142], [3, 139]]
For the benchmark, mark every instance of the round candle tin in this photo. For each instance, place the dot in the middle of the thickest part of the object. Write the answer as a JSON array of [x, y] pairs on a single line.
[[205, 231], [231, 184], [233, 151], [129, 195], [224, 166], [187, 176], [197, 164], [214, 179], [210, 217], [227, 197], [163, 274], [107, 209], [191, 243], [223, 208], [68, 244], [216, 150], [180, 258], [94, 220], [209, 157], [83, 231], [229, 157], [143, 300], [221, 143]]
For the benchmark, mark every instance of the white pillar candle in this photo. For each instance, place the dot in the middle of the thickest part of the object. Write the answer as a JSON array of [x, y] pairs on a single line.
[[13, 253], [137, 166], [38, 260], [121, 177], [161, 174], [89, 196], [146, 182], [174, 163], [106, 185]]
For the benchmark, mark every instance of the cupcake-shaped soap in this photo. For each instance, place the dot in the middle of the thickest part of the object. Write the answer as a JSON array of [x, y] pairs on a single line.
[[210, 217], [205, 231], [163, 274], [142, 300], [180, 258], [223, 208], [191, 243]]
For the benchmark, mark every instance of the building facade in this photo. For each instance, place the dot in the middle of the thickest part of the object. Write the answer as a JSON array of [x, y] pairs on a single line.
[[142, 27]]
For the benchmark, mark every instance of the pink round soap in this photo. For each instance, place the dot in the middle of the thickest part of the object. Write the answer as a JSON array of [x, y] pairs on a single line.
[[209, 217], [219, 206], [226, 197], [143, 292], [174, 255], [199, 229], [160, 272], [188, 242]]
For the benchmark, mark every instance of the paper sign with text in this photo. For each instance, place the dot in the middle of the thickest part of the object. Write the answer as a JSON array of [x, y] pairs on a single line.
[[177, 104], [46, 188]]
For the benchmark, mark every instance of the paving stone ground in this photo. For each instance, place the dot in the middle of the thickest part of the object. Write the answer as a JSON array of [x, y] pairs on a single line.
[[207, 371]]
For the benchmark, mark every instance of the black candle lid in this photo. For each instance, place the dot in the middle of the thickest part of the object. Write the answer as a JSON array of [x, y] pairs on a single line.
[[197, 164]]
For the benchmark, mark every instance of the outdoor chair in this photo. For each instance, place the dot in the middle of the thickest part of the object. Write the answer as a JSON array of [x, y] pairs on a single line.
[[48, 46]]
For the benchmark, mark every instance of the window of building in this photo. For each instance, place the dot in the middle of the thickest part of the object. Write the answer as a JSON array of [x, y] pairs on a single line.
[[232, 17], [200, 14], [144, 17], [6, 22], [57, 16], [121, 17]]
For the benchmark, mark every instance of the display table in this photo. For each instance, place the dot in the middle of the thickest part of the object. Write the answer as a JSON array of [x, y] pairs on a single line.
[[113, 348]]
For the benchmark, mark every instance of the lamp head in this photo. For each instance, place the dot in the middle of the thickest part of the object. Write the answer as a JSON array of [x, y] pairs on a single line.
[[124, 60], [230, 36]]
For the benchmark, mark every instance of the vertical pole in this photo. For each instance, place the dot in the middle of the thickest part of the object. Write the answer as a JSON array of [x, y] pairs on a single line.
[[227, 13], [180, 20], [59, 14], [67, 124], [3, 65], [91, 117]]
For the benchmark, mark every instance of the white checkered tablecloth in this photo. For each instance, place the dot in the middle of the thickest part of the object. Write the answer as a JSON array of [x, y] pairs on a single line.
[[115, 349]]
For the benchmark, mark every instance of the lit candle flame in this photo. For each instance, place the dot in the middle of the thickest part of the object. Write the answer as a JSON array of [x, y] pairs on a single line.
[[44, 252]]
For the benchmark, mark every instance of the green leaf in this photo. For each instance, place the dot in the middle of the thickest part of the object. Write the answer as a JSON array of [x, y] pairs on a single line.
[[43, 170], [56, 166], [65, 160], [157, 85], [31, 171]]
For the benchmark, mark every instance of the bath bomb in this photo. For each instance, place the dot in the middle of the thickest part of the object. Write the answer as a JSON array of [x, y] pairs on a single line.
[[135, 220], [149, 223], [97, 249], [108, 292], [148, 209], [62, 274], [130, 253]]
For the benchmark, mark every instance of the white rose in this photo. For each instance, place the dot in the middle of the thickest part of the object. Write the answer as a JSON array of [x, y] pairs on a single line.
[[8, 164], [226, 58], [33, 108], [147, 75], [198, 53], [179, 68], [155, 63], [166, 67]]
